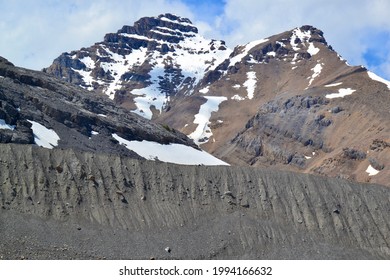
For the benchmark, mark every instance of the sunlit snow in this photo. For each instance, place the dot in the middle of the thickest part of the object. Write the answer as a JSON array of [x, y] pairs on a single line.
[[43, 136], [237, 97], [342, 92], [204, 90], [174, 153], [372, 171], [316, 72], [120, 65], [304, 37], [175, 21], [250, 83], [334, 85], [203, 132], [312, 50], [375, 77], [245, 51], [4, 125], [194, 61]]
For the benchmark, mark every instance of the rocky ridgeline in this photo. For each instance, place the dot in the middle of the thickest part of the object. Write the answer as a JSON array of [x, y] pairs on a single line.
[[163, 55], [82, 120]]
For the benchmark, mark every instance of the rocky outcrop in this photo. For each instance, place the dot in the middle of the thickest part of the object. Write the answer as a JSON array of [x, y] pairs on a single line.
[[66, 204], [82, 120]]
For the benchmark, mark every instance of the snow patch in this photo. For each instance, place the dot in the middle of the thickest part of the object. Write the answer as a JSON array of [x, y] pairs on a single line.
[[88, 62], [4, 125], [334, 85], [177, 22], [237, 86], [245, 51], [298, 34], [250, 83], [316, 72], [375, 77], [120, 65], [237, 97], [304, 37], [295, 58], [204, 90], [87, 78], [174, 153], [372, 171], [43, 136], [306, 157], [203, 132], [312, 50], [342, 92], [165, 34]]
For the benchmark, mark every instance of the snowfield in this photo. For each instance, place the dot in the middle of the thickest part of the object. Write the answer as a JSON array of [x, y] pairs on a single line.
[[43, 136], [173, 153]]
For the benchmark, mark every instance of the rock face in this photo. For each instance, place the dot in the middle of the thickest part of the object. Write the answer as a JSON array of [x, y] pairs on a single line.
[[144, 66], [288, 101], [60, 204], [81, 120]]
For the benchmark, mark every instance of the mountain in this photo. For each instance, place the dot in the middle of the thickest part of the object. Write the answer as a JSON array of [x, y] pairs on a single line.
[[38, 109], [288, 101], [146, 65], [83, 176]]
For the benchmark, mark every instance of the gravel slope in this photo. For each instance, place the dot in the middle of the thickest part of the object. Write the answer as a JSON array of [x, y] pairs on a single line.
[[59, 204]]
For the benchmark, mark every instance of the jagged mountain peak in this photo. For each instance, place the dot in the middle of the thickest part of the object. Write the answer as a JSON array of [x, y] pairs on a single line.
[[298, 43], [144, 65], [167, 27]]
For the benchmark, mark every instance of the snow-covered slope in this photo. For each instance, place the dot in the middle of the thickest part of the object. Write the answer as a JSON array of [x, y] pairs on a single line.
[[174, 153]]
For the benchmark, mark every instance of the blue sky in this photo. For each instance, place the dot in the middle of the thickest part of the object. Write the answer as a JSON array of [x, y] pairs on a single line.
[[34, 32]]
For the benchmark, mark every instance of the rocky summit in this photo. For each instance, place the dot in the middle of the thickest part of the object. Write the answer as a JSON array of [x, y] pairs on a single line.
[[288, 101], [144, 66]]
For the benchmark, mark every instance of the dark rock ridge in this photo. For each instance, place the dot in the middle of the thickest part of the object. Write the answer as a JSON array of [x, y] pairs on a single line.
[[63, 204], [73, 113]]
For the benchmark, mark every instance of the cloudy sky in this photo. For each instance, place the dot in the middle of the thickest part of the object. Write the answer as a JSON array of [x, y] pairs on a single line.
[[34, 32]]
